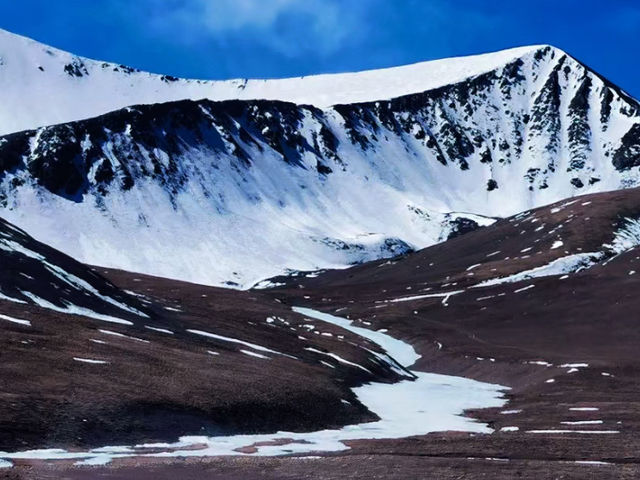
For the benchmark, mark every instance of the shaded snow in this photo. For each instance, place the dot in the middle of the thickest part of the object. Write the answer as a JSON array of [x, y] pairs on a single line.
[[15, 320], [161, 330], [401, 351], [626, 237], [583, 422], [338, 358], [559, 266], [253, 346], [328, 221], [444, 295], [121, 335], [73, 281], [74, 310], [254, 354]]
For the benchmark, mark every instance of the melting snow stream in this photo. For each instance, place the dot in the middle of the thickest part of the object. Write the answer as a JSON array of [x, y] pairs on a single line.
[[427, 404]]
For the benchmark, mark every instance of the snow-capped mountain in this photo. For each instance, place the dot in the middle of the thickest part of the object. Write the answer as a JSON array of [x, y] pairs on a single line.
[[41, 85], [241, 190]]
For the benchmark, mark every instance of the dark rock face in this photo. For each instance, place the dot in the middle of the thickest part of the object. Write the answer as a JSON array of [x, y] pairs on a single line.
[[579, 130], [460, 225], [628, 155], [388, 247], [576, 182], [76, 68], [109, 152]]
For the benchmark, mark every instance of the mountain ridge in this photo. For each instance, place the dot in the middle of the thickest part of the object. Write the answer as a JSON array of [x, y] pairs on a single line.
[[76, 80], [204, 185], [491, 227]]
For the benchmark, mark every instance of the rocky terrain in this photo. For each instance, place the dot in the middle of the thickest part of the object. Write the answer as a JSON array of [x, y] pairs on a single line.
[[87, 363], [563, 339], [433, 271]]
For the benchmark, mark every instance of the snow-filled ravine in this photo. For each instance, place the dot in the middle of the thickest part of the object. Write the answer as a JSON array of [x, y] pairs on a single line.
[[430, 403]]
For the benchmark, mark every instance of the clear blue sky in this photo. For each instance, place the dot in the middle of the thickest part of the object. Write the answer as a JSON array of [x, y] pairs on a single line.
[[277, 38]]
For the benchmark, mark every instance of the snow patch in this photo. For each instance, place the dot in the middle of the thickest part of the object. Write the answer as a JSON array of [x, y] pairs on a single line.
[[26, 323], [89, 360]]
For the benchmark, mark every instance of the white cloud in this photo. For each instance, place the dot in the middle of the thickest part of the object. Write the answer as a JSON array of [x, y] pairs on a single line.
[[286, 26], [229, 15]]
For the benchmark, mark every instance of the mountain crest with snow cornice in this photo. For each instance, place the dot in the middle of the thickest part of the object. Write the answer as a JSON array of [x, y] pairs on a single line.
[[405, 161]]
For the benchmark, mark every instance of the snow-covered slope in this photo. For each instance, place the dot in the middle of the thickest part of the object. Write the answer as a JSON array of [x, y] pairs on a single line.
[[237, 191], [206, 192], [41, 85], [33, 273]]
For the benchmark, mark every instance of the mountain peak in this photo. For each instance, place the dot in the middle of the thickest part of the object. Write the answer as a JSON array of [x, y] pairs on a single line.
[[489, 135], [42, 85]]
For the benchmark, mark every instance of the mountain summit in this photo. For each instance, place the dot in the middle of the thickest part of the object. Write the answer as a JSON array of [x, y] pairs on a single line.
[[232, 192], [41, 85]]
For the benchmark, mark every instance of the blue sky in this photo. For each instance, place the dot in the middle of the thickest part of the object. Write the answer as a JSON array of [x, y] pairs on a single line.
[[277, 38]]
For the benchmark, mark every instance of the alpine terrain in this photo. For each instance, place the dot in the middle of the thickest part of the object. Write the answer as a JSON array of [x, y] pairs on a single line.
[[432, 271], [199, 182]]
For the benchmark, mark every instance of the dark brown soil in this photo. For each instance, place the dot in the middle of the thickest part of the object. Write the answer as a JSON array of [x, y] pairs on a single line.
[[499, 334], [157, 386]]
